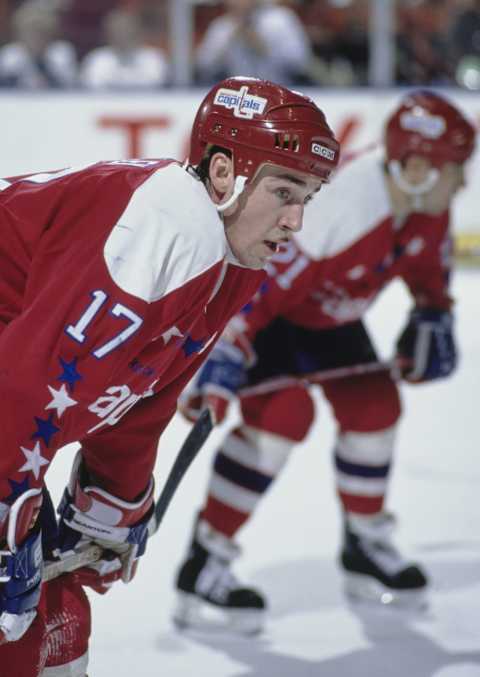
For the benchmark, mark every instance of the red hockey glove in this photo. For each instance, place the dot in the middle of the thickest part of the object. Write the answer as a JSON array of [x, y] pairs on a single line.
[[21, 565], [89, 514]]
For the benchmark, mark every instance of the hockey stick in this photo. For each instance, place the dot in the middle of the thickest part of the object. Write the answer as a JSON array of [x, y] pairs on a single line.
[[319, 377], [79, 559], [197, 437], [194, 441]]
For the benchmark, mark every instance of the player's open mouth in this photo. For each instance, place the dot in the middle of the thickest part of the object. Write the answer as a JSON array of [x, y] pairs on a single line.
[[273, 246]]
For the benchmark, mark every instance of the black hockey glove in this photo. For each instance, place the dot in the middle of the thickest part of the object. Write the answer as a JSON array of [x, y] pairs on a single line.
[[426, 347]]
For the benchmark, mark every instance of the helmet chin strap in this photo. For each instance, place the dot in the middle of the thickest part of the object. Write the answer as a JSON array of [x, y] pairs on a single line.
[[416, 191], [238, 188]]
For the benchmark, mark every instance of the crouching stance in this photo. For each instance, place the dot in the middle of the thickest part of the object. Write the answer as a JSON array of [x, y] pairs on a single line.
[[162, 255]]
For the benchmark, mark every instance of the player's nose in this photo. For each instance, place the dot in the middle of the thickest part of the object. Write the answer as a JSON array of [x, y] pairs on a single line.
[[292, 219]]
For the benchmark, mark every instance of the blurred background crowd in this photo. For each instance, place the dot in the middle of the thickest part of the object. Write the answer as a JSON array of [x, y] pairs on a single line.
[[115, 44]]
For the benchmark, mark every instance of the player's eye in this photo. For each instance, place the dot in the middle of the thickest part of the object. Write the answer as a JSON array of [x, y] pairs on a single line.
[[283, 194], [310, 197]]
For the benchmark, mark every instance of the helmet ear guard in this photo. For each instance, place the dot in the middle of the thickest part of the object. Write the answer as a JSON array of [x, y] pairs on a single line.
[[260, 122], [415, 190], [238, 187]]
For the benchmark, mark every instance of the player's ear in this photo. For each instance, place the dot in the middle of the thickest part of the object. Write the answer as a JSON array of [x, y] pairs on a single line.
[[221, 176]]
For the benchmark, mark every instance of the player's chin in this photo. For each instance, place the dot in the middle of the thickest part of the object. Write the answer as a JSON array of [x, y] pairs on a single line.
[[266, 251], [260, 261], [256, 263], [257, 258]]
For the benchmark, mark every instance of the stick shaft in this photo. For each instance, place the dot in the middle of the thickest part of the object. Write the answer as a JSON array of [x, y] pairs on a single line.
[[197, 438], [79, 559], [316, 377], [194, 441]]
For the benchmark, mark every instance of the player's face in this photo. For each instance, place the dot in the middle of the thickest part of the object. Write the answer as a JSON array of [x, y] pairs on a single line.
[[267, 213], [451, 179]]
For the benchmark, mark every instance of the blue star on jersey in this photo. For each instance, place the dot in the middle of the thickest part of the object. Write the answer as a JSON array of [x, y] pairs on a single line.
[[45, 429], [70, 374], [18, 488], [190, 346]]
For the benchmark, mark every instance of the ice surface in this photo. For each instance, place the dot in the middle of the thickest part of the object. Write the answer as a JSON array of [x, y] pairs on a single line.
[[291, 546]]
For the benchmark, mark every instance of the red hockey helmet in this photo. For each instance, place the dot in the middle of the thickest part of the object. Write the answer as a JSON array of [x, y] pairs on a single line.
[[261, 122], [426, 124]]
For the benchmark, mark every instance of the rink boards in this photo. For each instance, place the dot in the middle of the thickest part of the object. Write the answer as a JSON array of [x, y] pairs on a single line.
[[45, 131]]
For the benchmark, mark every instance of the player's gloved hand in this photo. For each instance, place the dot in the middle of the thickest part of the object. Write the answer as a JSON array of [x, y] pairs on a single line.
[[426, 347], [89, 514], [21, 566], [217, 382]]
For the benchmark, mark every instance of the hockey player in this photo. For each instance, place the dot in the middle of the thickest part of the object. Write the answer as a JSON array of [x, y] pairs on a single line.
[[116, 280], [385, 216]]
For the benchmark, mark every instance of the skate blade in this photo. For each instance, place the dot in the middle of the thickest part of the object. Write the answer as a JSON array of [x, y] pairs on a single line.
[[361, 588], [193, 613]]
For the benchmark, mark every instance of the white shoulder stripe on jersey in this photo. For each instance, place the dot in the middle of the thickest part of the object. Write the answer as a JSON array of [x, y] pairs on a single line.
[[347, 209], [169, 234]]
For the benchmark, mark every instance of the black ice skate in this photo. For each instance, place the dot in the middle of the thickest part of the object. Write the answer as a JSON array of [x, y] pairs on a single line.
[[374, 569], [209, 596]]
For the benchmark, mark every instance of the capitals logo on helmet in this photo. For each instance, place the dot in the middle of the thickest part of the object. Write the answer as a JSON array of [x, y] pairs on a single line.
[[428, 125], [260, 122]]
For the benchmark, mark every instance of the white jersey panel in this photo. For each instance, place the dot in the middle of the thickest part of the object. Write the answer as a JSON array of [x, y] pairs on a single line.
[[169, 234], [347, 209]]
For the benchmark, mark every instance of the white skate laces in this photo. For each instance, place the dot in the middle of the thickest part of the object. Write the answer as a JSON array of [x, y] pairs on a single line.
[[216, 579], [210, 598], [374, 569], [375, 534]]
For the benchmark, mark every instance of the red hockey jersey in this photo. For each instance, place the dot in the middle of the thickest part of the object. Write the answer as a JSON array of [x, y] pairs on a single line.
[[115, 281], [349, 249]]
